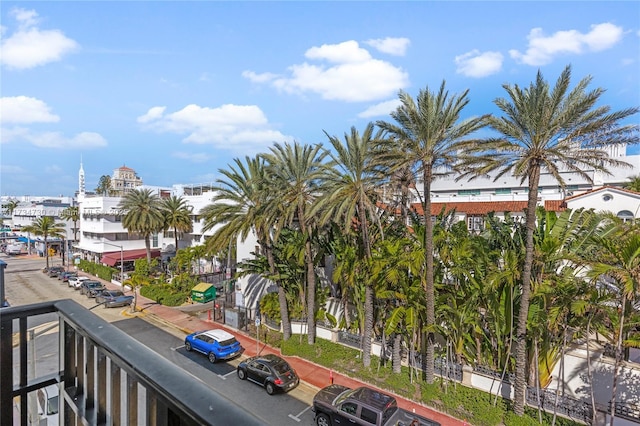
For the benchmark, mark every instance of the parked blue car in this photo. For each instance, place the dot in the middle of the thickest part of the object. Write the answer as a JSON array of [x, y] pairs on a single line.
[[215, 344], [113, 298]]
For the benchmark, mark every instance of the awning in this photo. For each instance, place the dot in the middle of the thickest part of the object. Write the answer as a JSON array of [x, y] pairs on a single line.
[[113, 257]]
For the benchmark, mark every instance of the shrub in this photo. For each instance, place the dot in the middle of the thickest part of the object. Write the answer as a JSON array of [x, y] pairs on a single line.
[[102, 271]]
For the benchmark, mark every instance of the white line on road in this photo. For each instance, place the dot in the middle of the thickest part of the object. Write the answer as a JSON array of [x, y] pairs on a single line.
[[177, 347], [224, 377], [297, 418]]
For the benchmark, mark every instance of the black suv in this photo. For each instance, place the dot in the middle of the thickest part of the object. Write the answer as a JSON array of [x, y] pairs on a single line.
[[91, 288]]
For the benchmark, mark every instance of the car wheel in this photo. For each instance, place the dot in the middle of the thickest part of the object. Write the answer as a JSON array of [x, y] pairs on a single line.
[[270, 388], [187, 346], [212, 357], [322, 420], [242, 374]]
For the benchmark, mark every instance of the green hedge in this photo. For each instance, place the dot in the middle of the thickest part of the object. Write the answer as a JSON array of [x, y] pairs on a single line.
[[165, 294], [98, 270]]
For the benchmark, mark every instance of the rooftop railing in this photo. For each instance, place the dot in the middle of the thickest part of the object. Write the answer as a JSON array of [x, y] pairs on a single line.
[[105, 377]]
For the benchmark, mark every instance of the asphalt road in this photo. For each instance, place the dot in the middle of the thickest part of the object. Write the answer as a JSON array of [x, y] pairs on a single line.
[[25, 284]]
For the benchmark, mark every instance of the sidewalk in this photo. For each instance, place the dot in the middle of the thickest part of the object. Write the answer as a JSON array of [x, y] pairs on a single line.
[[309, 372]]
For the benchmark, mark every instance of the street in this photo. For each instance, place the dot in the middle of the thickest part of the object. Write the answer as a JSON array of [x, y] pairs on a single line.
[[25, 283]]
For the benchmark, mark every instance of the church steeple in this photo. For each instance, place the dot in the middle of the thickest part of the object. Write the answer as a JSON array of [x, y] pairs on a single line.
[[81, 186]]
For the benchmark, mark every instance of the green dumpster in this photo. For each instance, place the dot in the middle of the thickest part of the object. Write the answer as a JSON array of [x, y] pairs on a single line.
[[203, 292]]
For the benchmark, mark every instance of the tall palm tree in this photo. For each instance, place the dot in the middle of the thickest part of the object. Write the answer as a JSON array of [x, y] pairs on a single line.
[[177, 216], [425, 138], [238, 207], [295, 171], [72, 213], [350, 194], [142, 211], [545, 129], [46, 227]]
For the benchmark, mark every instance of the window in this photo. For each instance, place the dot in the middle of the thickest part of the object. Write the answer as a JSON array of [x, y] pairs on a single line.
[[154, 242], [475, 223], [349, 408], [607, 197], [368, 416], [502, 191], [625, 215], [469, 192]]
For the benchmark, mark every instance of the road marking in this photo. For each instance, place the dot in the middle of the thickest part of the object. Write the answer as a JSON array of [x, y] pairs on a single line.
[[297, 418], [177, 347], [224, 377]]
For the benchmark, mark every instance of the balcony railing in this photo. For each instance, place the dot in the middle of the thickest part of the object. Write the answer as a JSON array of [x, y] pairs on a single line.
[[105, 377]]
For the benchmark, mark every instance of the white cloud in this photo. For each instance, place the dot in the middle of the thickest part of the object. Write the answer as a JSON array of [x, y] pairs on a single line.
[[54, 170], [542, 49], [193, 157], [478, 64], [84, 140], [383, 108], [390, 45], [22, 109], [242, 128], [11, 169], [29, 46], [57, 140], [259, 78], [352, 75]]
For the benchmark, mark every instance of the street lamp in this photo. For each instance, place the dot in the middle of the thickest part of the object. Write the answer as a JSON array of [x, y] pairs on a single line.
[[121, 260]]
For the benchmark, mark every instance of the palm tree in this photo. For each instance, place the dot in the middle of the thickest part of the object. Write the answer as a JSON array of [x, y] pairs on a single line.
[[619, 260], [633, 183], [142, 214], [10, 206], [104, 186], [295, 172], [350, 194], [238, 207], [72, 213], [177, 216], [46, 227], [551, 130], [424, 139]]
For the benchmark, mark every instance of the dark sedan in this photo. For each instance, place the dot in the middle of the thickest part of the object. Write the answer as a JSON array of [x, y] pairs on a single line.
[[91, 288], [269, 371], [113, 298]]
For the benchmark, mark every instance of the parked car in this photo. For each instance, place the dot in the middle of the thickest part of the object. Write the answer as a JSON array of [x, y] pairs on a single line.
[[55, 270], [114, 298], [340, 405], [64, 277], [269, 371], [48, 405], [216, 344], [91, 288], [77, 282]]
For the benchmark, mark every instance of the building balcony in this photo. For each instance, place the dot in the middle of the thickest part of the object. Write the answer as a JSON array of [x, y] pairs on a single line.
[[105, 377]]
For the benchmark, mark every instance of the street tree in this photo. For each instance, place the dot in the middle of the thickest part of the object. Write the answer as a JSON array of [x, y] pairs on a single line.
[[177, 216], [142, 214], [46, 227]]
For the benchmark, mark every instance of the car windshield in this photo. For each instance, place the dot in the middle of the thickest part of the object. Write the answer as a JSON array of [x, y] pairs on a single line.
[[282, 368], [227, 342]]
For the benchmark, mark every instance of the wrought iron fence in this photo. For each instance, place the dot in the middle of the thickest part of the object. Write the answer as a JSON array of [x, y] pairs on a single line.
[[350, 339], [629, 411], [565, 405], [486, 371]]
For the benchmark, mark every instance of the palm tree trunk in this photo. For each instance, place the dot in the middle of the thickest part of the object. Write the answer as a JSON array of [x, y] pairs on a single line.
[[616, 366], [147, 245], [429, 343], [396, 359], [46, 251], [590, 375], [175, 235], [368, 299], [523, 313]]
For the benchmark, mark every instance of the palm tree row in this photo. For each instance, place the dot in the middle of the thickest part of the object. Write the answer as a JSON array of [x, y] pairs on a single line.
[[410, 276]]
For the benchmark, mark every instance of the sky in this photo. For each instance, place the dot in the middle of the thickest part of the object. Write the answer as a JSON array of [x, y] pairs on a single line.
[[177, 90]]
